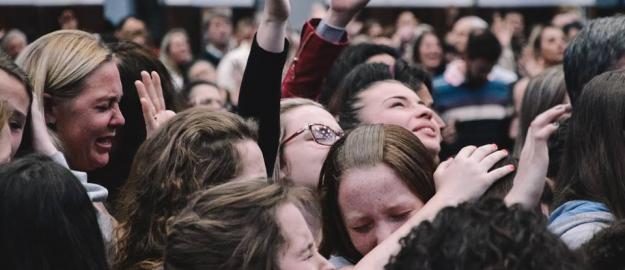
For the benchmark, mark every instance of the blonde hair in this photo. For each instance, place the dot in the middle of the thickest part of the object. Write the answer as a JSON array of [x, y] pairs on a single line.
[[164, 51], [5, 113], [287, 105], [59, 62]]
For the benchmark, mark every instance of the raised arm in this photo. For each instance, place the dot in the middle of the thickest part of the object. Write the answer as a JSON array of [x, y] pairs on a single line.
[[321, 43], [259, 97], [529, 182]]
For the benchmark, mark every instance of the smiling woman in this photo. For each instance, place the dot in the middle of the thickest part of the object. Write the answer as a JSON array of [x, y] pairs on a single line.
[[74, 76]]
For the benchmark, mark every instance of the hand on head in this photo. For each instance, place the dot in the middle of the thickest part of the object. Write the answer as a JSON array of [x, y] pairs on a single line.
[[468, 175]]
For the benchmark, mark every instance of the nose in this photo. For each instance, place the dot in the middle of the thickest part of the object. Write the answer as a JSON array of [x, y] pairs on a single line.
[[382, 231], [423, 111], [323, 263], [118, 118]]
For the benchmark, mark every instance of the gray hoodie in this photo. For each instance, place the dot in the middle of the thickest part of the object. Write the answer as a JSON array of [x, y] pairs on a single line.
[[576, 222]]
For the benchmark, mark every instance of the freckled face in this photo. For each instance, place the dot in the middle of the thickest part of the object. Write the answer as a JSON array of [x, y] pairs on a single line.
[[374, 202]]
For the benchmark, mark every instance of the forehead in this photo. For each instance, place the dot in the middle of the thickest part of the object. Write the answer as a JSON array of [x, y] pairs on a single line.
[[103, 81], [251, 159], [14, 92], [372, 187], [380, 91], [293, 226], [308, 114], [204, 89]]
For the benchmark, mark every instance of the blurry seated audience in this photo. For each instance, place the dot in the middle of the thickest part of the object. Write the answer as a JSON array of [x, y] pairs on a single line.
[[484, 235], [479, 109], [428, 51], [195, 150], [203, 93], [47, 220], [217, 34], [176, 54], [201, 70], [133, 29], [13, 43], [243, 225], [68, 21]]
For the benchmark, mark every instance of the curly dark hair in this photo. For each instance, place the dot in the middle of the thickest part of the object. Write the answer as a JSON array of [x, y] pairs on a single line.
[[606, 250], [484, 235]]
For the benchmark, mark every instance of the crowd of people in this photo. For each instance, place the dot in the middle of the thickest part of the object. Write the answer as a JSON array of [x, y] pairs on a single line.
[[352, 146]]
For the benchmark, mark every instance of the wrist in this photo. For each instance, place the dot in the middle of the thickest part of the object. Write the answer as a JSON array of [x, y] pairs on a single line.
[[338, 19]]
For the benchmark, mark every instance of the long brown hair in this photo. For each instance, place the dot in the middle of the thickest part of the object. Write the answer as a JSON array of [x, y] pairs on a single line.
[[193, 151], [230, 227], [366, 146]]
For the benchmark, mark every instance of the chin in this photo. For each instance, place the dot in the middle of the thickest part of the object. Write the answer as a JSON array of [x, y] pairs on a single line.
[[98, 162]]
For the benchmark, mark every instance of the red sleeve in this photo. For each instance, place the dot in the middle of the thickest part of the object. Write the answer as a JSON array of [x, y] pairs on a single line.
[[311, 64]]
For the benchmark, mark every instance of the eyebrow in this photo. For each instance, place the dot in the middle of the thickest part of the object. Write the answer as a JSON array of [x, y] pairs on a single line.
[[308, 247], [397, 97]]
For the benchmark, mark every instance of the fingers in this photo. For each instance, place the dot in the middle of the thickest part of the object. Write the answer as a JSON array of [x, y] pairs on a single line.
[[149, 87], [492, 159], [148, 115], [551, 115], [156, 81], [143, 94], [466, 151], [484, 150], [498, 173]]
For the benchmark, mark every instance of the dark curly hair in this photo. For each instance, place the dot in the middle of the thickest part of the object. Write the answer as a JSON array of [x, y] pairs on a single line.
[[348, 59], [484, 235], [606, 250]]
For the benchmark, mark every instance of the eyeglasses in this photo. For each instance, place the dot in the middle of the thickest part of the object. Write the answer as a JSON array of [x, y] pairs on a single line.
[[321, 134]]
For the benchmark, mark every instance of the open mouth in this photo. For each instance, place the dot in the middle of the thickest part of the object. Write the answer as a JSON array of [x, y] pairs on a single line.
[[427, 130], [105, 142]]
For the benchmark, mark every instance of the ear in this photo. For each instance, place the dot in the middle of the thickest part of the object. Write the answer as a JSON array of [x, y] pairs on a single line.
[[50, 109]]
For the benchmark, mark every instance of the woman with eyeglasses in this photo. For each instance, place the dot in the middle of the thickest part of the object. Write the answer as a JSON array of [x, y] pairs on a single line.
[[307, 132]]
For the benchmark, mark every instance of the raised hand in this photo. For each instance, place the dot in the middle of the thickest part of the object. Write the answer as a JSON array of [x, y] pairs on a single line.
[[534, 160], [152, 102], [468, 175], [277, 10], [272, 29], [341, 12]]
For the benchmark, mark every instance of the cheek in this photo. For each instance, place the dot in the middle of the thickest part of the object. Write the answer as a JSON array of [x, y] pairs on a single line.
[[16, 140], [362, 242]]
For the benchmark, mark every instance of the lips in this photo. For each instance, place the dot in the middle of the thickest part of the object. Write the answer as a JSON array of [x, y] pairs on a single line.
[[104, 144], [426, 129]]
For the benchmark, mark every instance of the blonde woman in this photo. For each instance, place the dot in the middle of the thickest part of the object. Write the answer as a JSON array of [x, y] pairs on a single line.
[[75, 76], [175, 53]]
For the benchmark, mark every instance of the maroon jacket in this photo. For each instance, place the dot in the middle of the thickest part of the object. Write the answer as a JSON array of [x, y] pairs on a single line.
[[311, 64]]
